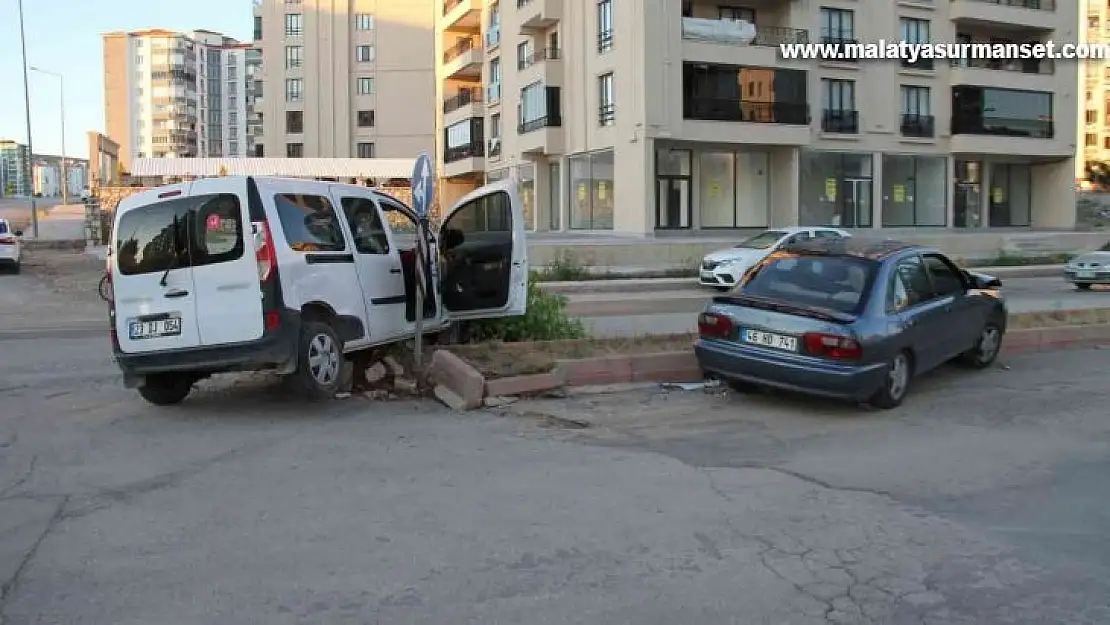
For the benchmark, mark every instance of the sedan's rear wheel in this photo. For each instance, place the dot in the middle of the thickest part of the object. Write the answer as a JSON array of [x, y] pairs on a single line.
[[896, 384]]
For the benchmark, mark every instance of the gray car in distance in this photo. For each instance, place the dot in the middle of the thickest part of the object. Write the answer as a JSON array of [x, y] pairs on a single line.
[[851, 319], [1089, 269]]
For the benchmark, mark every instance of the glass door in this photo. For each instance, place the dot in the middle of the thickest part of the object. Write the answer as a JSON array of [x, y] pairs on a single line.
[[855, 208], [672, 197]]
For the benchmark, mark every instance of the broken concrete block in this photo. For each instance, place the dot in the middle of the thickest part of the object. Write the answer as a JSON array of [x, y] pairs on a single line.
[[378, 394], [451, 399], [394, 367], [405, 386], [498, 402], [375, 373], [459, 377]]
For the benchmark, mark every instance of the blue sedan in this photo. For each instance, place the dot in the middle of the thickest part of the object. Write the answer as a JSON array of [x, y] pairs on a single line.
[[850, 319]]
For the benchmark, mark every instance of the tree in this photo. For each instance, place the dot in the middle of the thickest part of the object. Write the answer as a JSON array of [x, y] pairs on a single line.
[[1098, 173]]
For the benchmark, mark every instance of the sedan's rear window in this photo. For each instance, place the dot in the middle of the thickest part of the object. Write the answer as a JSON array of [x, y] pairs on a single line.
[[833, 282]]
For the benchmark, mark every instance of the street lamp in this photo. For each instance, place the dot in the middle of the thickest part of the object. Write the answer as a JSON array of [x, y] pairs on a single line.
[[62, 89], [27, 105]]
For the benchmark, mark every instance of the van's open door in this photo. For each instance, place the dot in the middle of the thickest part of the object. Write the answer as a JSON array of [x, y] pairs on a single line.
[[485, 255]]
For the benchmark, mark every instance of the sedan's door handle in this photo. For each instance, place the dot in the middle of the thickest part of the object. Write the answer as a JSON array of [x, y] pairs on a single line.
[[395, 270], [176, 293]]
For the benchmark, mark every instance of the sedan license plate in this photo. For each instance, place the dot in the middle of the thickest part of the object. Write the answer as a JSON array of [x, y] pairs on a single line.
[[769, 339], [139, 329], [1085, 275]]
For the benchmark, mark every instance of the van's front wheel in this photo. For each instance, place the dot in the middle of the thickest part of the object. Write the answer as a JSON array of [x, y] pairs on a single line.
[[166, 389], [319, 361]]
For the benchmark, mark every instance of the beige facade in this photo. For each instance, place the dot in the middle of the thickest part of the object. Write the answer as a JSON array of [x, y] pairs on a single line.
[[1094, 85], [352, 79], [645, 117]]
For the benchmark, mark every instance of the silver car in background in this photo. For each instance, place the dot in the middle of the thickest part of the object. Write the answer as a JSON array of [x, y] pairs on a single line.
[[1089, 269]]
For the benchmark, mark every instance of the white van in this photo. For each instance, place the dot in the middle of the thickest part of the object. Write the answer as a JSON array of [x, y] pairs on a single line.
[[252, 273]]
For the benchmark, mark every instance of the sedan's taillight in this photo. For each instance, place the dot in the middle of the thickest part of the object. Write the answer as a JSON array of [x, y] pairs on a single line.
[[832, 346], [714, 325]]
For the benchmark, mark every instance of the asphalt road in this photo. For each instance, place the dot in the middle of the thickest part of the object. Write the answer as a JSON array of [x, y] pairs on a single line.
[[664, 312], [982, 500]]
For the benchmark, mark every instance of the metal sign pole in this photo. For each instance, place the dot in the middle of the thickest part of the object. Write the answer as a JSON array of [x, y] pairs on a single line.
[[423, 192]]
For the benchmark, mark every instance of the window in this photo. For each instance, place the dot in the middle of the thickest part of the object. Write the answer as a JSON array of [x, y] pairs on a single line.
[[365, 150], [364, 54], [524, 55], [736, 14], [364, 21], [366, 225], [838, 99], [592, 191], [184, 232], [604, 25], [294, 56], [294, 89], [837, 283], [533, 103], [606, 108], [915, 190], [233, 148], [294, 24], [1106, 143], [139, 60], [835, 189], [258, 28], [294, 150], [1090, 140], [916, 31], [838, 25], [909, 285], [1007, 112], [309, 223], [1092, 116], [401, 223], [366, 119], [294, 122], [916, 105], [493, 90], [946, 278], [364, 86]]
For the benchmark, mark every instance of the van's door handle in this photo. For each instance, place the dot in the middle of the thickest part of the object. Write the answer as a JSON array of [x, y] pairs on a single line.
[[176, 293], [395, 270]]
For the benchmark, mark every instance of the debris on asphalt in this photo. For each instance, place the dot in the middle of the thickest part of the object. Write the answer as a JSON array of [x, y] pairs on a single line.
[[498, 402], [449, 398], [684, 386], [376, 373], [343, 395]]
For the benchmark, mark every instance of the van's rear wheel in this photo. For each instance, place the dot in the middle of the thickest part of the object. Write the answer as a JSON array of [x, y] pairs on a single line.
[[319, 362], [166, 389]]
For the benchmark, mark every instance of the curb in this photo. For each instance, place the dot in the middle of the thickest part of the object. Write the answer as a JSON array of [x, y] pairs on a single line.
[[682, 366], [637, 284]]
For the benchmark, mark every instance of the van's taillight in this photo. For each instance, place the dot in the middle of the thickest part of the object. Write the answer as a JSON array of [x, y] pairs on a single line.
[[273, 320], [714, 325], [7, 240], [264, 251], [832, 346]]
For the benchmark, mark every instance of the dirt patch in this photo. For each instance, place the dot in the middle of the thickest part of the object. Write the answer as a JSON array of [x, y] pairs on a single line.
[[501, 360], [65, 271]]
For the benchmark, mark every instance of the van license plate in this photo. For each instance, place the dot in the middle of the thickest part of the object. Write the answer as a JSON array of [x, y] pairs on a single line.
[[154, 328], [768, 339]]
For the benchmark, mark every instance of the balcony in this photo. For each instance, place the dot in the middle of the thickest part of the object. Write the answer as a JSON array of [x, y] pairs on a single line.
[[462, 60], [717, 41], [493, 36], [493, 93], [543, 66], [1031, 14], [840, 121], [745, 121], [465, 104], [538, 56], [538, 14], [1008, 136], [918, 126], [542, 133], [462, 15], [1030, 74], [463, 159]]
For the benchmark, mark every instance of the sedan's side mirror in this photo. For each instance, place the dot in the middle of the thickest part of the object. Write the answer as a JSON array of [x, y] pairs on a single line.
[[982, 281], [18, 233]]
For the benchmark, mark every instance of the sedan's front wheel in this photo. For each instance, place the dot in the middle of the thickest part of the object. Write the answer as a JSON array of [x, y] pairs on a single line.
[[896, 384], [987, 349]]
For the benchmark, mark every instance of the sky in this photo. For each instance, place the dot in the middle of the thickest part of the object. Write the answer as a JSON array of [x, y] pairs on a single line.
[[63, 36]]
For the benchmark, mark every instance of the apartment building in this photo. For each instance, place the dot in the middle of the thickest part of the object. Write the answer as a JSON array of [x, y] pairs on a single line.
[[352, 79], [175, 94], [13, 169], [1094, 84], [48, 174], [671, 116]]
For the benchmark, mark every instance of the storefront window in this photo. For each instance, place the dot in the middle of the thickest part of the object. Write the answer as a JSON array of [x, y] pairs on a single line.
[[556, 183], [835, 189], [1010, 198], [915, 192], [592, 192], [967, 194], [526, 177], [733, 189], [672, 189]]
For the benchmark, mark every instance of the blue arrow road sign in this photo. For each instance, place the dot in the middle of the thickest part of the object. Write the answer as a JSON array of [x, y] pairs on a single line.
[[423, 185]]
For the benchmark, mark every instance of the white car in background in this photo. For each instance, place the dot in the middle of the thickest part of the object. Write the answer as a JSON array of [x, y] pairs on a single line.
[[1089, 269], [11, 249], [722, 269]]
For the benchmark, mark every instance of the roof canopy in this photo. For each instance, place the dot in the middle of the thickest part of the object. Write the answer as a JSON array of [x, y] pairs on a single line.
[[287, 167]]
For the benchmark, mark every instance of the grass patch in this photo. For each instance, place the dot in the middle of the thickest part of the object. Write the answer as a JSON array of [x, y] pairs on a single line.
[[500, 360]]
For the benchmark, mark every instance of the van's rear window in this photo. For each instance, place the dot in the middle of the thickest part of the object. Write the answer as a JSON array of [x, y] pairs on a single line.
[[3, 227], [837, 283], [183, 232]]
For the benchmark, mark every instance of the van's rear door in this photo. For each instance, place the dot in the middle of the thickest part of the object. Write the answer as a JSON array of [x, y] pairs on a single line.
[[225, 271], [152, 279]]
